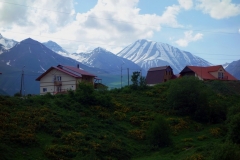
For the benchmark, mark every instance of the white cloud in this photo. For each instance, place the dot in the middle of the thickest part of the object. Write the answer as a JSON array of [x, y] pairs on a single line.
[[186, 4], [239, 30], [219, 9], [110, 24], [115, 24], [34, 13], [169, 17], [188, 37]]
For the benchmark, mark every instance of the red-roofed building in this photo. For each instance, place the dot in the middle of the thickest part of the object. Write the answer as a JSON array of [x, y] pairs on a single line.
[[207, 73], [62, 78], [158, 75]]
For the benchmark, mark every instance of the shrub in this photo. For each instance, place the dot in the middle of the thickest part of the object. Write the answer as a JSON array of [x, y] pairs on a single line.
[[196, 156], [85, 93], [234, 128], [233, 123], [158, 133], [60, 152], [103, 98], [226, 151], [188, 98]]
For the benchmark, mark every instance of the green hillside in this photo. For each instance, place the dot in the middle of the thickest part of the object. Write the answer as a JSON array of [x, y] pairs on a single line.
[[183, 119]]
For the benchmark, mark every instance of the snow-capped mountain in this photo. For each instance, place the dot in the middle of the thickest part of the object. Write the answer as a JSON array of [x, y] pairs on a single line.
[[2, 48], [234, 69], [105, 60], [225, 65], [34, 58], [56, 48], [149, 54], [7, 43]]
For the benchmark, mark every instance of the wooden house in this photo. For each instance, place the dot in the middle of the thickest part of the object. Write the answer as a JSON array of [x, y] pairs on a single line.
[[158, 75], [207, 73]]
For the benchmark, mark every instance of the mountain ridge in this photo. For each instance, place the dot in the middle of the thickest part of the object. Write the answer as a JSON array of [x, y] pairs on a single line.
[[7, 43], [32, 58], [56, 48], [148, 54], [234, 69]]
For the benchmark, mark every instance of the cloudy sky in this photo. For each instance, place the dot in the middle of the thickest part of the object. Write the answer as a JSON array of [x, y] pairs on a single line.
[[207, 28]]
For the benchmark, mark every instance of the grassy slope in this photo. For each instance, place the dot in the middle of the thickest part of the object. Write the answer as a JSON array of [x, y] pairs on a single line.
[[61, 127]]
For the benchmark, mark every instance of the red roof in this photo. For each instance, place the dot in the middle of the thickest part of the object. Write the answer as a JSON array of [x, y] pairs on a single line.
[[204, 72], [70, 70]]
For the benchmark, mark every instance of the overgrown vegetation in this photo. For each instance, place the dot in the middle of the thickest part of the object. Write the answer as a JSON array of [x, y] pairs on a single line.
[[182, 119]]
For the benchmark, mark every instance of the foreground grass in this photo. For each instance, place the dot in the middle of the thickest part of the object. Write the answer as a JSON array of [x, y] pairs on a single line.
[[105, 125]]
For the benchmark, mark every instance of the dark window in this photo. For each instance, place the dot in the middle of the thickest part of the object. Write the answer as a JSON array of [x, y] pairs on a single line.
[[220, 75], [59, 78], [44, 89]]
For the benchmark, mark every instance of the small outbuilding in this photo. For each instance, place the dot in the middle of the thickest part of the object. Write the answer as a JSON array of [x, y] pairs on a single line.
[[158, 75]]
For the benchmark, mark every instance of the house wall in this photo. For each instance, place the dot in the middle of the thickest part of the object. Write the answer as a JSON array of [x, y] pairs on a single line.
[[168, 74], [89, 79], [215, 74], [199, 77], [47, 82]]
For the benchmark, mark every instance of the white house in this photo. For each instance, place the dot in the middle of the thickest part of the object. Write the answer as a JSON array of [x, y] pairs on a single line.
[[62, 78]]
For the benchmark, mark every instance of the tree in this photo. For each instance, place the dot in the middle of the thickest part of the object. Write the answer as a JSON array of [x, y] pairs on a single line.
[[187, 97], [134, 79], [138, 81], [142, 82]]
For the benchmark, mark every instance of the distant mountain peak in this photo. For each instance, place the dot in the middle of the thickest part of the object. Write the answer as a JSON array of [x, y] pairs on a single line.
[[28, 39], [55, 48], [99, 49], [7, 43], [51, 42], [148, 54]]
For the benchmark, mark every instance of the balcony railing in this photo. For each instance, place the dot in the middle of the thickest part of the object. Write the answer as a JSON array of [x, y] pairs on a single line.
[[223, 78], [57, 83]]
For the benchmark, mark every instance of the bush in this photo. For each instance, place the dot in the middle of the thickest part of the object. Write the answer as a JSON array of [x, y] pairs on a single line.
[[233, 124], [226, 151], [188, 98], [85, 93], [158, 134]]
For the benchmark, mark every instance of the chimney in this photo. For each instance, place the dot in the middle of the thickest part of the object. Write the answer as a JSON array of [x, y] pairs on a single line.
[[77, 65]]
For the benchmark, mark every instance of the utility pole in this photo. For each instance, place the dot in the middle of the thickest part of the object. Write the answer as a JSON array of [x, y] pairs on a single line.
[[22, 81], [121, 74], [128, 75]]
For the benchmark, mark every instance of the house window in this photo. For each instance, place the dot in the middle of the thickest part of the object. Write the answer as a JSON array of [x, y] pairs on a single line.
[[220, 75], [58, 78], [44, 89]]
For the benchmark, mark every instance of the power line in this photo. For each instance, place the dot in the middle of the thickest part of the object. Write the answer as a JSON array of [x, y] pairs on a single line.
[[22, 5]]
